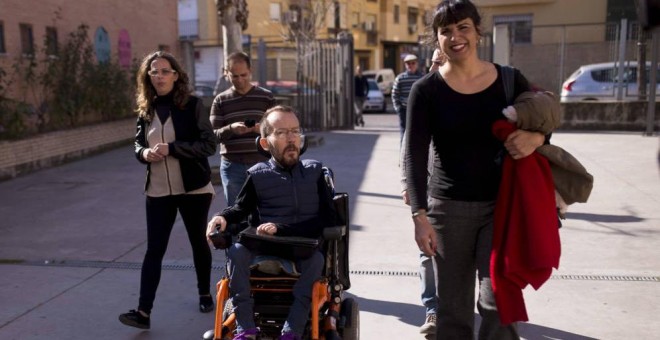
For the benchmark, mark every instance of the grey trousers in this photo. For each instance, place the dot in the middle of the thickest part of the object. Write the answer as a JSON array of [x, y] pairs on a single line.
[[465, 232]]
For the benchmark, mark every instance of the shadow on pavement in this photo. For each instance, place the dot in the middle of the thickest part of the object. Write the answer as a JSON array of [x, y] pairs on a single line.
[[604, 218]]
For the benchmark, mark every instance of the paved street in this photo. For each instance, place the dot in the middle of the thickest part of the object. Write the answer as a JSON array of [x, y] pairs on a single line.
[[73, 237]]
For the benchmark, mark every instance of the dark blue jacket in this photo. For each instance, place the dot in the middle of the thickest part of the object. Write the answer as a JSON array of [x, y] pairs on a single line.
[[297, 200]]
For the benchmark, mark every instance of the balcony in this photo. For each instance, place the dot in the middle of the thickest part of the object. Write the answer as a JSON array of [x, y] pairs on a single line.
[[188, 29]]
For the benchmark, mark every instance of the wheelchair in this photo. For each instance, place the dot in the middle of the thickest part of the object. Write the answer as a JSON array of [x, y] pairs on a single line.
[[332, 316]]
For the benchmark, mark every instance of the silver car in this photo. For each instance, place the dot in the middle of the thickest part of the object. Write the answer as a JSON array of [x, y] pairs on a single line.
[[375, 101], [599, 82]]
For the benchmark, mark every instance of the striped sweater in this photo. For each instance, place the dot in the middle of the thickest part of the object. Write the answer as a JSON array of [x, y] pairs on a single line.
[[230, 107], [401, 89]]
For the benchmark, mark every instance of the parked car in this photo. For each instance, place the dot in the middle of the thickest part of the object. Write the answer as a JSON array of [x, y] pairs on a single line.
[[204, 92], [375, 101], [285, 87], [383, 77], [599, 82]]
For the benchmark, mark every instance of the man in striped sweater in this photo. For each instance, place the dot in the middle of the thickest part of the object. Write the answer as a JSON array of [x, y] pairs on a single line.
[[235, 116], [401, 89]]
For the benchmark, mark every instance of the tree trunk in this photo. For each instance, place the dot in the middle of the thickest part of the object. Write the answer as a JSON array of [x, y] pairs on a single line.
[[231, 40]]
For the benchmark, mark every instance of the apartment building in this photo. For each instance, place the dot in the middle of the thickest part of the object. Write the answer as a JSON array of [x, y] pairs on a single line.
[[383, 31], [529, 34]]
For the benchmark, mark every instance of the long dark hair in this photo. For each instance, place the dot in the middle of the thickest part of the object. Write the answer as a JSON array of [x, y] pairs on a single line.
[[146, 93]]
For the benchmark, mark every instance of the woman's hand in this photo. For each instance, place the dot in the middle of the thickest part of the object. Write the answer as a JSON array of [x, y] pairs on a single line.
[[406, 197], [213, 225], [521, 143], [151, 156], [162, 149], [425, 235]]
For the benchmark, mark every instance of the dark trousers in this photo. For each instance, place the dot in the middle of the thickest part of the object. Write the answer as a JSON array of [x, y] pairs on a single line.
[[465, 233], [161, 214]]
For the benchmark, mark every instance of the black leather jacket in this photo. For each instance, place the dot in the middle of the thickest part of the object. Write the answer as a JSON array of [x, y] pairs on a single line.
[[194, 143]]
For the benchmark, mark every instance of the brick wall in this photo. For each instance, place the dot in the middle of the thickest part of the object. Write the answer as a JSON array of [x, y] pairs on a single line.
[[51, 149], [150, 24]]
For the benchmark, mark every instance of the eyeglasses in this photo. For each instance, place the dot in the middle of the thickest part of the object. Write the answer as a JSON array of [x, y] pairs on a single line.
[[163, 72], [283, 133]]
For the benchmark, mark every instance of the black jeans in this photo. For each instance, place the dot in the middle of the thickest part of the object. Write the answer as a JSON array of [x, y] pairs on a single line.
[[161, 214]]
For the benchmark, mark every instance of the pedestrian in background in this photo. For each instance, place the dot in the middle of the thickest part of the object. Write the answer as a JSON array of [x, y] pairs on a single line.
[[437, 60], [426, 264], [453, 210], [361, 90], [174, 139], [401, 89], [235, 116]]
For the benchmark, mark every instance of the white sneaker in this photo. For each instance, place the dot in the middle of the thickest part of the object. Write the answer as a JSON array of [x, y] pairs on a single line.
[[429, 325]]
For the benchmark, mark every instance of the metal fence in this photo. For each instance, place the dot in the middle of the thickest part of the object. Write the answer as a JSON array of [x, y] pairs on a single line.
[[557, 51], [325, 83]]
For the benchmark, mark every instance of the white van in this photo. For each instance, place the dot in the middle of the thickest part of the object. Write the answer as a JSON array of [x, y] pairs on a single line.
[[383, 77]]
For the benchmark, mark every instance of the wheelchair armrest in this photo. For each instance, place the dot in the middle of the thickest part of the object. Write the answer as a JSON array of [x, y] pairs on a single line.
[[334, 233]]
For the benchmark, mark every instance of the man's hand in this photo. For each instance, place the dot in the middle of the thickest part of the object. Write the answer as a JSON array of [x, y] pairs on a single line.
[[239, 128], [213, 225], [267, 229], [425, 235], [521, 143]]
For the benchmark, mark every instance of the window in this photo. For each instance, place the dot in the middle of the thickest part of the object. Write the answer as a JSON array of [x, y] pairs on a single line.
[[275, 12], [355, 19], [337, 16], [396, 14], [520, 27], [2, 38], [27, 39], [413, 13], [51, 41]]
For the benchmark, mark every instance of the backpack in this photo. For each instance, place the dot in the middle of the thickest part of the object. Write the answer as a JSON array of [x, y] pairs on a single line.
[[508, 81]]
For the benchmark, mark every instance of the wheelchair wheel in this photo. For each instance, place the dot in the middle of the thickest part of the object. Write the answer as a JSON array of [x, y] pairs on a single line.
[[350, 319]]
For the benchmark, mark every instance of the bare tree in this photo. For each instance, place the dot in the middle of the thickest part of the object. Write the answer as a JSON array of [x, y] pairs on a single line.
[[306, 19], [233, 16]]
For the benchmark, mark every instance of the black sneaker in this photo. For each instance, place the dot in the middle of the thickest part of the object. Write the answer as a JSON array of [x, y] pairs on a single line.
[[205, 303], [135, 319]]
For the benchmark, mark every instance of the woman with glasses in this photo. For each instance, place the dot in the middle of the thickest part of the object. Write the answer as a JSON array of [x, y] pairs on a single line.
[[174, 139]]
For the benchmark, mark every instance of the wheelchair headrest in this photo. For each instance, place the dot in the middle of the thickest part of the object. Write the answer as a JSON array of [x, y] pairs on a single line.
[[266, 153]]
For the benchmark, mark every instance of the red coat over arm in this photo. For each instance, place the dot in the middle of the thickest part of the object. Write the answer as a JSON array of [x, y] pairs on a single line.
[[525, 232]]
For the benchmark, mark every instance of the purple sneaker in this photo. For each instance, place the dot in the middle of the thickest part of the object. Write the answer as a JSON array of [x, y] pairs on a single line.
[[248, 334]]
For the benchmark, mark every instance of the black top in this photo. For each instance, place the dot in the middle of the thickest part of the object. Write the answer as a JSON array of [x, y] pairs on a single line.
[[466, 164], [361, 86]]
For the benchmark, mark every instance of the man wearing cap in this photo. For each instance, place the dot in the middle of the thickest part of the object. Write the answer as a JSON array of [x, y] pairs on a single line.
[[401, 89]]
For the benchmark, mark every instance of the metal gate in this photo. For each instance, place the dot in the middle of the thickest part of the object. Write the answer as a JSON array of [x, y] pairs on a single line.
[[325, 83]]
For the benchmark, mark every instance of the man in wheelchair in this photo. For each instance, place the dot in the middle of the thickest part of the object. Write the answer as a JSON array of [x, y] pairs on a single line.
[[284, 196]]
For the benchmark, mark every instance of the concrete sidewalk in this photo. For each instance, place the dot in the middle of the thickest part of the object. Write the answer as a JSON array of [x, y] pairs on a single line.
[[73, 237]]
